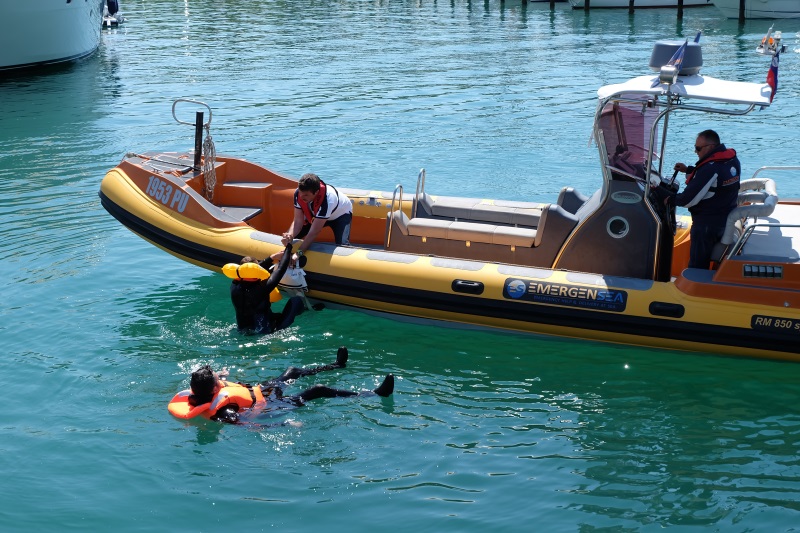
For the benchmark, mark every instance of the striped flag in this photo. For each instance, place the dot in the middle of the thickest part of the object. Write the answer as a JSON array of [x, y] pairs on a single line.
[[772, 75], [677, 57]]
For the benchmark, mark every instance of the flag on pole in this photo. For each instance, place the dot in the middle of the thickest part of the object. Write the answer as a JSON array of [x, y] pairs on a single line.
[[772, 75], [677, 57]]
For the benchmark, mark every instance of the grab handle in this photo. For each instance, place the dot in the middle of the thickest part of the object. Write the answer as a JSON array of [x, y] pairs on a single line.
[[196, 102]]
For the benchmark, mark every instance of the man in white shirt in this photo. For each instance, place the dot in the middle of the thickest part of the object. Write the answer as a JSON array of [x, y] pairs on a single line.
[[316, 205]]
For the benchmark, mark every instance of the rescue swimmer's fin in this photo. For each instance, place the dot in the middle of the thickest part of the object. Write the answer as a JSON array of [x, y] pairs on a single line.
[[341, 357], [387, 387]]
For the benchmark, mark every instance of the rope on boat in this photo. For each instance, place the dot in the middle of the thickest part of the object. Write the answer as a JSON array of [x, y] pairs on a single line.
[[209, 164]]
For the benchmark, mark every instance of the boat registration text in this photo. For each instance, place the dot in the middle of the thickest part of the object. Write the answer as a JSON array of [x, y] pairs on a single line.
[[775, 323], [163, 192]]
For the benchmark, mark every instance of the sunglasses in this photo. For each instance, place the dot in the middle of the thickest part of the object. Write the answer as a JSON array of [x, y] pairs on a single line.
[[698, 148]]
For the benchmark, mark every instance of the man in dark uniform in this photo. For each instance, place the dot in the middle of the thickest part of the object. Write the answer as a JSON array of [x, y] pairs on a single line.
[[250, 297], [711, 192]]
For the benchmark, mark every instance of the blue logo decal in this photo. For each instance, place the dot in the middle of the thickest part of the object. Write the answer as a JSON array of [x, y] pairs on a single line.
[[516, 288]]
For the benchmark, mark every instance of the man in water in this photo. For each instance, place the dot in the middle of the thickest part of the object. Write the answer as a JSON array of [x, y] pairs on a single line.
[[250, 297], [317, 205], [214, 398], [711, 192]]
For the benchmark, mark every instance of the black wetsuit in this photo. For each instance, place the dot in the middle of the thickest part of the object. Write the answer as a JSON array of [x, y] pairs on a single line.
[[272, 390], [251, 300]]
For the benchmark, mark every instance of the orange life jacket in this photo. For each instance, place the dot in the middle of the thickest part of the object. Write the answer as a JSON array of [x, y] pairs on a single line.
[[309, 212], [725, 155], [242, 396]]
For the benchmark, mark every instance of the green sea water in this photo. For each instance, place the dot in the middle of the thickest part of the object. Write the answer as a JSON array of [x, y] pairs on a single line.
[[486, 430]]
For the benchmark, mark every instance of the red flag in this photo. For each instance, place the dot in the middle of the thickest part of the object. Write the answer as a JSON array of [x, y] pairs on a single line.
[[772, 75]]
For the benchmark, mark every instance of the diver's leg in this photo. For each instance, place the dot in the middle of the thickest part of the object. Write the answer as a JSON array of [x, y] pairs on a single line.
[[294, 372], [322, 391], [294, 306]]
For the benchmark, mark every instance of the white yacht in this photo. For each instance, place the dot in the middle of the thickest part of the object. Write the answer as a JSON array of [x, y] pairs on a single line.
[[48, 31], [760, 9], [580, 4]]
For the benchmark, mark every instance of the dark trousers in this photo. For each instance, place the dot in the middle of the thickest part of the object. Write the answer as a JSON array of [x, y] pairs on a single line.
[[340, 227], [704, 235]]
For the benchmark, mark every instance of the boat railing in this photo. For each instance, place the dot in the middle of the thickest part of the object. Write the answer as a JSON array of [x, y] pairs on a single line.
[[757, 172], [420, 191], [397, 196]]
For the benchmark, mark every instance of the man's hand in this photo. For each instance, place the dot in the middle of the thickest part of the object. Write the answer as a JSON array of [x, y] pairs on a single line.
[[680, 167]]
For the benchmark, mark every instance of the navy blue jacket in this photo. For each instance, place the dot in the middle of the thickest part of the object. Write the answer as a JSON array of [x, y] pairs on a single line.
[[712, 186]]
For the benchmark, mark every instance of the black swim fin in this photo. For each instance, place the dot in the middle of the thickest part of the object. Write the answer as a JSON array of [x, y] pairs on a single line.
[[341, 357], [387, 387]]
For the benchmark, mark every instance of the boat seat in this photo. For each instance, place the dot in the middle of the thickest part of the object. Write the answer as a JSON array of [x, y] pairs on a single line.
[[247, 195], [570, 199], [475, 210], [757, 198], [559, 224], [242, 214], [720, 248], [465, 231], [492, 243]]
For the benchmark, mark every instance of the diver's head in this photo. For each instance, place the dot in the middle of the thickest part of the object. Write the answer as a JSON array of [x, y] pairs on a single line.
[[203, 385]]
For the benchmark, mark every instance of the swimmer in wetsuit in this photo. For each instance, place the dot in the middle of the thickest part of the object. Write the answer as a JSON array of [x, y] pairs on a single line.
[[250, 297], [221, 400]]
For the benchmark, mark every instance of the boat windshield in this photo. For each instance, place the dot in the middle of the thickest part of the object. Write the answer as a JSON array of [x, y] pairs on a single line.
[[626, 125]]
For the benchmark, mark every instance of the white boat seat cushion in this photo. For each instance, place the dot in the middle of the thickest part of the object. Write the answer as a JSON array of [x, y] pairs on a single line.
[[514, 236], [428, 227], [470, 231], [474, 209]]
